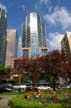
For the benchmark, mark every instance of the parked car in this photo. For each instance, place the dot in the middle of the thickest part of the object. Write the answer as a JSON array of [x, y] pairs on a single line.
[[29, 88], [68, 86], [44, 88], [19, 87], [6, 88]]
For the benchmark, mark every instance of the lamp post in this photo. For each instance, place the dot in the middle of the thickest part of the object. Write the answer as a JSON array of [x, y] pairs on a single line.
[[19, 77]]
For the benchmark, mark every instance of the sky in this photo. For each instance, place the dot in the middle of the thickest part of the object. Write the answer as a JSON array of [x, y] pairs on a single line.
[[56, 15]]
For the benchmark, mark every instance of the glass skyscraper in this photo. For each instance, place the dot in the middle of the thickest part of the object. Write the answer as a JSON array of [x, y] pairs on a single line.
[[33, 39], [3, 27]]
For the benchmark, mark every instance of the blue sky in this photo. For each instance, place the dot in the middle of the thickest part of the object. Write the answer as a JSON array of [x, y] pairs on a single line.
[[56, 15]]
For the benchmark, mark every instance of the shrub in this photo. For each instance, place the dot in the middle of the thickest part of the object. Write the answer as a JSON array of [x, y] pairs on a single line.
[[54, 106], [40, 100], [18, 102], [57, 106]]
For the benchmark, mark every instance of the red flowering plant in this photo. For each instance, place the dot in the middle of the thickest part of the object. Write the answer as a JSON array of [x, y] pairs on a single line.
[[51, 97]]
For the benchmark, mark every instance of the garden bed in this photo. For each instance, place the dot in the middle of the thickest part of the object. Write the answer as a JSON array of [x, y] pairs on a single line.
[[42, 99]]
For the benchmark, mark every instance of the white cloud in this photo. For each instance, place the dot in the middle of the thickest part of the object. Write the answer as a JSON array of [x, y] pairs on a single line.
[[54, 41], [3, 6], [61, 16], [43, 2]]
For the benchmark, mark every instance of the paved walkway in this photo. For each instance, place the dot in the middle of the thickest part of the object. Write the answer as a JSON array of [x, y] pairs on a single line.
[[4, 101]]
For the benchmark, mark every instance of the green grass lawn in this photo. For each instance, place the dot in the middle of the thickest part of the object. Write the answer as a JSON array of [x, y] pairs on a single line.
[[62, 91], [11, 93]]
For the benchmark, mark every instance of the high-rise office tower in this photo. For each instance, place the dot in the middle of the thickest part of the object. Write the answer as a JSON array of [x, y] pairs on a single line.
[[11, 50], [66, 45], [3, 27], [19, 46], [34, 37]]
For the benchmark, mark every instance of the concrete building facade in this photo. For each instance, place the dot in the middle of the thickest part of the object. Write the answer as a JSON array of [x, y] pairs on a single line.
[[3, 34], [66, 45], [34, 37], [11, 51]]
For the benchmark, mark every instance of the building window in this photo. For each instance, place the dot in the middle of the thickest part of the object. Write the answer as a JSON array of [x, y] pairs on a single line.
[[26, 53], [34, 49], [44, 52]]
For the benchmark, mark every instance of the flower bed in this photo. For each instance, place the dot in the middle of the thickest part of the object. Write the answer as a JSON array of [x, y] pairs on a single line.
[[41, 99]]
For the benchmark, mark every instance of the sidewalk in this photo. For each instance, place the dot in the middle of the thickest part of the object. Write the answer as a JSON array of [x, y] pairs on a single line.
[[4, 101]]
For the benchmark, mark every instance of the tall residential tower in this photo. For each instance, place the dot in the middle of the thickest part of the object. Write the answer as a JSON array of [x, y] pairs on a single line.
[[34, 38], [3, 27], [11, 50]]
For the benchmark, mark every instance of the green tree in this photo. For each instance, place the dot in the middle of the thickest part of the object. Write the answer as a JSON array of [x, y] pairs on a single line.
[[2, 71], [8, 69]]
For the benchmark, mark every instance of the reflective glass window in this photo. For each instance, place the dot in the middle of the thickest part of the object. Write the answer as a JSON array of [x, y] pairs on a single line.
[[26, 53], [44, 52]]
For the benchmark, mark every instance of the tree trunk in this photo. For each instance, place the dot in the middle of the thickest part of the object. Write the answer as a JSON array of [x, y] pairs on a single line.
[[54, 85]]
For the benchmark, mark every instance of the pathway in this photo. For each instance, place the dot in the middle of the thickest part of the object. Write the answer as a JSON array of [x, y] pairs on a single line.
[[4, 101]]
